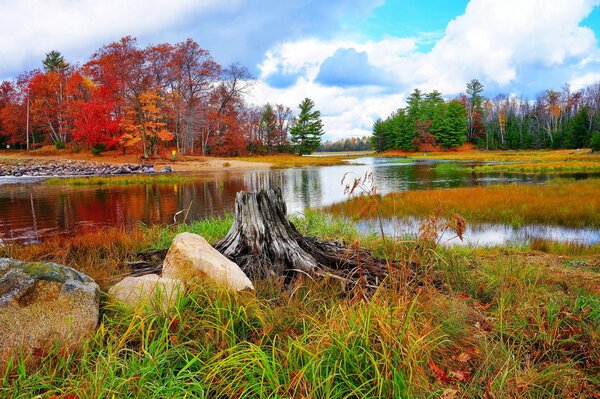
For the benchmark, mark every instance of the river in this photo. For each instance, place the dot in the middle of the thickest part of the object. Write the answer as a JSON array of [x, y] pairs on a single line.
[[29, 212]]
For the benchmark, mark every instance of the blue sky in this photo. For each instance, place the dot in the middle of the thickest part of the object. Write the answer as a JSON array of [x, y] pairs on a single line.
[[357, 59]]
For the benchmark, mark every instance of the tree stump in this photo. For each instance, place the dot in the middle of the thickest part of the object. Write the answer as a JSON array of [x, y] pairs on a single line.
[[265, 244]]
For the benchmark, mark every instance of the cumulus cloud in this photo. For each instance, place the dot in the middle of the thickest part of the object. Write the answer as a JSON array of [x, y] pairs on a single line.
[[347, 68], [510, 45], [233, 30]]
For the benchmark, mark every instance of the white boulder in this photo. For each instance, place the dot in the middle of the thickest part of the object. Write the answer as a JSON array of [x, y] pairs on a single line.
[[191, 256], [160, 293]]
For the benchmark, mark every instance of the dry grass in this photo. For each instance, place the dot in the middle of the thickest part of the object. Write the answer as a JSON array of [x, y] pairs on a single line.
[[522, 156], [291, 160], [98, 253], [495, 324], [542, 167], [567, 203]]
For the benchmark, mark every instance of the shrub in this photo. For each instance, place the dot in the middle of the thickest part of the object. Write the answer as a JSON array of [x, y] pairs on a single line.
[[98, 149]]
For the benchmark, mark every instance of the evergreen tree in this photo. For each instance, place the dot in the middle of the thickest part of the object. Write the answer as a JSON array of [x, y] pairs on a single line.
[[455, 132], [54, 62], [307, 130], [378, 139], [577, 134]]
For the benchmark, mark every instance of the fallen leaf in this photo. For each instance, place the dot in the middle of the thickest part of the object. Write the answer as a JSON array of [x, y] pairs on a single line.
[[439, 372], [448, 393], [459, 375], [463, 357]]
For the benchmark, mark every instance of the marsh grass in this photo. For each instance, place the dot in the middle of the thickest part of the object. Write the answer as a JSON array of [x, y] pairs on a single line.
[[541, 167], [121, 180], [499, 323], [558, 202], [292, 160]]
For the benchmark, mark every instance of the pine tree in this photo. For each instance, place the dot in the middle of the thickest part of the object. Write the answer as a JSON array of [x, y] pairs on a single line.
[[307, 130], [456, 121]]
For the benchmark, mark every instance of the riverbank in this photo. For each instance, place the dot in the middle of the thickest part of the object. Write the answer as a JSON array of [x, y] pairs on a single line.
[[525, 161], [481, 323], [65, 159]]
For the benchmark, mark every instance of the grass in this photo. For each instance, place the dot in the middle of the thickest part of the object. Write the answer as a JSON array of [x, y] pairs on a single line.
[[558, 202], [290, 160], [542, 167], [501, 323], [521, 156], [121, 180]]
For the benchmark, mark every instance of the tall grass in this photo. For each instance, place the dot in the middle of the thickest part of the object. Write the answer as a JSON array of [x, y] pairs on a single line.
[[121, 180], [497, 323], [292, 160], [559, 202]]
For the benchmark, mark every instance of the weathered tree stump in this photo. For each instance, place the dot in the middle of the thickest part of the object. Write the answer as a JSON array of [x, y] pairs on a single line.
[[265, 244]]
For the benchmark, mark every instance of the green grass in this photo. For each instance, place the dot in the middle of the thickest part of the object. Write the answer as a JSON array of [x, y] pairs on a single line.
[[499, 323], [120, 180]]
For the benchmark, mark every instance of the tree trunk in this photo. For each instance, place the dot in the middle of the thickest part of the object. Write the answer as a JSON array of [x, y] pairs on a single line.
[[264, 243]]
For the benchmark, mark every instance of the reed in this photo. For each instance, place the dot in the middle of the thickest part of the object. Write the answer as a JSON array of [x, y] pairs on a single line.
[[121, 180], [291, 160], [558, 202]]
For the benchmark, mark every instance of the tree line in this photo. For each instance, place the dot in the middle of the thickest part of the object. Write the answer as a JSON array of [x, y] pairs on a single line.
[[146, 100], [347, 144], [555, 119]]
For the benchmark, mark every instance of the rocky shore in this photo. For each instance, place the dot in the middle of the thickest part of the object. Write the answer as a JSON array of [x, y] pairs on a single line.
[[42, 168]]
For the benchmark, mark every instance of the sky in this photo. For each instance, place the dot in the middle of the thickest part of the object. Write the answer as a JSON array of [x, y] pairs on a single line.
[[357, 59]]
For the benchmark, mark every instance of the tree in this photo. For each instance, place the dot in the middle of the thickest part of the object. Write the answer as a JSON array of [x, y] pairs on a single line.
[[96, 123], [55, 62], [474, 110], [456, 120], [307, 130]]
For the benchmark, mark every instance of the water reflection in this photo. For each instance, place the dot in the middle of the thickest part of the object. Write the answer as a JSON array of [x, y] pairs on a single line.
[[30, 212], [488, 234]]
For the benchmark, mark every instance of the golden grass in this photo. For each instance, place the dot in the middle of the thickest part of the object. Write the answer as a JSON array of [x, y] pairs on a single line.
[[291, 160], [122, 180], [542, 167], [567, 203], [522, 156], [498, 324]]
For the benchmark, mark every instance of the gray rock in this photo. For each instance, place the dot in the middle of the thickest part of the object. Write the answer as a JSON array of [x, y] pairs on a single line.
[[167, 169], [44, 303]]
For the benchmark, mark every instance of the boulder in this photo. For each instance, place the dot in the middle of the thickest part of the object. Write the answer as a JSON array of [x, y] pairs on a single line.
[[191, 256], [44, 303], [149, 290]]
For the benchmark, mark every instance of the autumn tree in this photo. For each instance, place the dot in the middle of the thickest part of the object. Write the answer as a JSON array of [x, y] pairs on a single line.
[[97, 124], [193, 73]]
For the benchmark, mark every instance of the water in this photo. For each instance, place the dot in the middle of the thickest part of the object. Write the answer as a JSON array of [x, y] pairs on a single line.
[[31, 211], [486, 234]]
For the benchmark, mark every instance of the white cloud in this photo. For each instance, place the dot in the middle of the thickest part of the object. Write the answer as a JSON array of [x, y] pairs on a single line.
[[581, 81], [503, 43], [31, 28]]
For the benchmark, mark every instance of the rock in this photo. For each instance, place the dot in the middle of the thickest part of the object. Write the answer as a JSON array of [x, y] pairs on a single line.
[[149, 170], [167, 169], [191, 256], [44, 303], [137, 292]]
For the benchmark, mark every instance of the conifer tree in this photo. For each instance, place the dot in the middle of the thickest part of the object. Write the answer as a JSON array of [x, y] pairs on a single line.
[[307, 130]]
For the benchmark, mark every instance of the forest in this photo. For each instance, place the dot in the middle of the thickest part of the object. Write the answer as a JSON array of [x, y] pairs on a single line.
[[145, 100], [347, 144], [554, 119]]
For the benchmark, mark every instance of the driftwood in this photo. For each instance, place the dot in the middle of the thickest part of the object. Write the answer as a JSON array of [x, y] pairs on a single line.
[[265, 244]]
